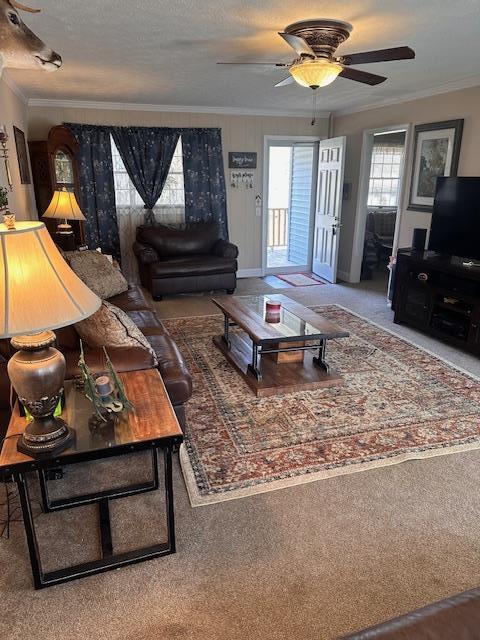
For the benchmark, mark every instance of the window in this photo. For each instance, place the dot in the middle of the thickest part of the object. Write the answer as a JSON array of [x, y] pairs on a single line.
[[127, 196], [384, 182]]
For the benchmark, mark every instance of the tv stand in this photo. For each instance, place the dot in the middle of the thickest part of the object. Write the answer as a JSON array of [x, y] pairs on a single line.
[[439, 295]]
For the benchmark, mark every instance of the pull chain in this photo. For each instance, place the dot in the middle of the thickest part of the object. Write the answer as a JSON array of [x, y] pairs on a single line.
[[314, 118]]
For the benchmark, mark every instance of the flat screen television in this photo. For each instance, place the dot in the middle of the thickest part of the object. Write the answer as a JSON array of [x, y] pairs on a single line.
[[455, 228]]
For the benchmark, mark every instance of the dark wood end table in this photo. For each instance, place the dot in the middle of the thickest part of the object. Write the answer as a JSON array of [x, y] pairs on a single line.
[[152, 426]]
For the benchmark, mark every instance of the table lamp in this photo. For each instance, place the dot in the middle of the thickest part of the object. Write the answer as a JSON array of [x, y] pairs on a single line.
[[64, 206], [39, 292]]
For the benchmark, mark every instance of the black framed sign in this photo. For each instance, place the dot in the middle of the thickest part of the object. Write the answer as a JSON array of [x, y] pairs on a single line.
[[436, 153], [242, 160]]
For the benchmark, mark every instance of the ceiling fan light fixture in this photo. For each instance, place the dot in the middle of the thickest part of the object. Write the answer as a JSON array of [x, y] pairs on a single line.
[[315, 73]]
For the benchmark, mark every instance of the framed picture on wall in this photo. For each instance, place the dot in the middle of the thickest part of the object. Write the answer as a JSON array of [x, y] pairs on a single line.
[[22, 155], [436, 153]]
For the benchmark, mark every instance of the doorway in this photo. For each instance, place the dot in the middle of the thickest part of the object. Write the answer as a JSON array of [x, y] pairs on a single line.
[[290, 186], [379, 206]]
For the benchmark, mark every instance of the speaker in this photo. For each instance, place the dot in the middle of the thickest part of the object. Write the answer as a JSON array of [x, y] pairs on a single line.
[[419, 239]]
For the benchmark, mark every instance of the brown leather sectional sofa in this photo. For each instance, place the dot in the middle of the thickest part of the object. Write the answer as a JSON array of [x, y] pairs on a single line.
[[4, 397], [171, 364], [185, 259], [455, 618]]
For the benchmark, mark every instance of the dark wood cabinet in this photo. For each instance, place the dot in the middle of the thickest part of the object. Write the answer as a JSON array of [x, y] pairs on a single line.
[[54, 167], [439, 295]]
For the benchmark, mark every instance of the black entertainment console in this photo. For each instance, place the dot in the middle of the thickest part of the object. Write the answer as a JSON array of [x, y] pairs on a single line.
[[439, 295]]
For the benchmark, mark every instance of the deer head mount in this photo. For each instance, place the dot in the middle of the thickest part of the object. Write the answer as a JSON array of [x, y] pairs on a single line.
[[20, 48]]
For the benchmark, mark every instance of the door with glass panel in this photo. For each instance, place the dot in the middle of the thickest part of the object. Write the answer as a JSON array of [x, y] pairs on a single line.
[[291, 168]]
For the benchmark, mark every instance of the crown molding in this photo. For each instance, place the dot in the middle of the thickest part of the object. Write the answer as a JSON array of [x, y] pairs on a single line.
[[449, 87], [11, 84], [168, 108]]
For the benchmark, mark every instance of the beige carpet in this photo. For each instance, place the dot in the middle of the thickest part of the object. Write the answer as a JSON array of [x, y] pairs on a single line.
[[310, 562]]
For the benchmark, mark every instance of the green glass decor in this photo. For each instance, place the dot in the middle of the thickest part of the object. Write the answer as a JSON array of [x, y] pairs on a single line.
[[90, 388]]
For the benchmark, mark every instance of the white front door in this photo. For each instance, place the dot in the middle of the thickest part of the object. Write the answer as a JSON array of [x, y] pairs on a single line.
[[328, 211]]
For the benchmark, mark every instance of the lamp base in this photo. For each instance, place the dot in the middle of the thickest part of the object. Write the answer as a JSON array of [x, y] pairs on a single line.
[[65, 229], [37, 372], [45, 436]]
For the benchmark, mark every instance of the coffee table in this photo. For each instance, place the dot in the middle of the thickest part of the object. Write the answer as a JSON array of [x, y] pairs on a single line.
[[276, 358], [153, 426]]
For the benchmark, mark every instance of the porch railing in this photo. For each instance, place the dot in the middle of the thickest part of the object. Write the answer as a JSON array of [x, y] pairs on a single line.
[[277, 228]]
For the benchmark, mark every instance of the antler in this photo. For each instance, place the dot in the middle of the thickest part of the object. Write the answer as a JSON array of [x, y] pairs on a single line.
[[22, 7]]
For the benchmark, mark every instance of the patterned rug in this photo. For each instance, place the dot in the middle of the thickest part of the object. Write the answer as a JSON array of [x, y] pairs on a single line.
[[398, 403]]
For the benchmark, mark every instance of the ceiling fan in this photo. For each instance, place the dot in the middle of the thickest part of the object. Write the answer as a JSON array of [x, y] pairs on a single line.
[[315, 42]]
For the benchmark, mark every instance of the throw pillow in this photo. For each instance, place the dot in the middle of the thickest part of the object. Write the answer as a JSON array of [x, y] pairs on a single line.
[[97, 272], [111, 327]]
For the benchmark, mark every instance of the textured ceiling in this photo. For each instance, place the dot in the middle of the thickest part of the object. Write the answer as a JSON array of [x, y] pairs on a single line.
[[164, 53]]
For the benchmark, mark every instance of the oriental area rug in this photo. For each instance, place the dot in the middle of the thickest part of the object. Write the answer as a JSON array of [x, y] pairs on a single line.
[[398, 402]]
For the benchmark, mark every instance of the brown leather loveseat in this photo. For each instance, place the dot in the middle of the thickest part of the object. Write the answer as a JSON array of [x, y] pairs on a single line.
[[185, 259]]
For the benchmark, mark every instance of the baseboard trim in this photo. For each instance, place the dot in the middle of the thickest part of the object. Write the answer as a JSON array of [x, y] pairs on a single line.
[[249, 273], [343, 275]]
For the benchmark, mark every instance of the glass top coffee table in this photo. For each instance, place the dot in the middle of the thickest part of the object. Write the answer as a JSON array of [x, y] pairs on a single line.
[[277, 357]]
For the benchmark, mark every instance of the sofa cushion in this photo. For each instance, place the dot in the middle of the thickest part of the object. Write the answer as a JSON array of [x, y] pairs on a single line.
[[199, 265], [183, 240], [123, 359], [111, 327], [67, 338], [133, 299], [146, 321], [97, 272], [173, 370]]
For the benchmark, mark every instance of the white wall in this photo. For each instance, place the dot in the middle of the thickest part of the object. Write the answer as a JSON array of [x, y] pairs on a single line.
[[448, 106], [13, 111], [239, 133]]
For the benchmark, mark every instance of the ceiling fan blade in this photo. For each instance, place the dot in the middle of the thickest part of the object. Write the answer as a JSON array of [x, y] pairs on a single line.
[[267, 64], [382, 55], [284, 82], [361, 76], [298, 44]]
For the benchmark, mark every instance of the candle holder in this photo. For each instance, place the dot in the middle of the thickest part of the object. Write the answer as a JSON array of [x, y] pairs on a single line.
[[272, 311], [105, 391]]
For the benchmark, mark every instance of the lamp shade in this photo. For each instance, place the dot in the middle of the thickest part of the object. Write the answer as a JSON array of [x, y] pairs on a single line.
[[315, 73], [38, 290], [64, 206]]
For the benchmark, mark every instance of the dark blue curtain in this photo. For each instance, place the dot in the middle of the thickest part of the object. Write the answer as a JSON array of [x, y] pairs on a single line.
[[204, 177], [147, 154], [97, 190]]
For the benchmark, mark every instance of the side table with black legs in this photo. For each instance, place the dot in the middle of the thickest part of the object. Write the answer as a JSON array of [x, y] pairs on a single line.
[[152, 426]]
